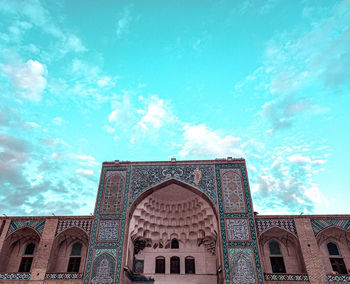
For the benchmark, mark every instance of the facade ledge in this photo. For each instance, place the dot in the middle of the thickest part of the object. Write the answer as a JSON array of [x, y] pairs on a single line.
[[64, 275], [345, 278], [286, 277], [15, 276]]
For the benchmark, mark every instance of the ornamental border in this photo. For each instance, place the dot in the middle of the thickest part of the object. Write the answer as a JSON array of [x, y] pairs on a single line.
[[121, 216], [249, 213]]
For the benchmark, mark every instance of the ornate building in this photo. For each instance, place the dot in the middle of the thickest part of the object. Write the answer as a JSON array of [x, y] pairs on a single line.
[[175, 222]]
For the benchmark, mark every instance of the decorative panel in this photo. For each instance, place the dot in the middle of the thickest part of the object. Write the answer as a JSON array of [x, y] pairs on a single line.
[[242, 266], [113, 192], [237, 229], [345, 278], [108, 230], [287, 224], [232, 190], [63, 276], [111, 251], [286, 277], [83, 224], [103, 269], [37, 225], [15, 276], [319, 224], [199, 176]]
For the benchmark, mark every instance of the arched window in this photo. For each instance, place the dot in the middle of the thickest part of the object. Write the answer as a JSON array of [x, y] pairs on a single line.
[[333, 249], [335, 258], [175, 265], [160, 264], [190, 265], [174, 244], [27, 259], [276, 258], [75, 258]]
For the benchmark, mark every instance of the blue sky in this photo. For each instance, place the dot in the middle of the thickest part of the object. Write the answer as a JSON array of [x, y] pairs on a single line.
[[82, 82]]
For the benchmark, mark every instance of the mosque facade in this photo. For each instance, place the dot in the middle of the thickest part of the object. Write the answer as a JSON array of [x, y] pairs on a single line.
[[175, 222]]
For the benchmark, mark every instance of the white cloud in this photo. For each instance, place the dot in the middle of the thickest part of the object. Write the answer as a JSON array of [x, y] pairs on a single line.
[[85, 172], [28, 79], [298, 158], [59, 121], [157, 114], [123, 23], [201, 141]]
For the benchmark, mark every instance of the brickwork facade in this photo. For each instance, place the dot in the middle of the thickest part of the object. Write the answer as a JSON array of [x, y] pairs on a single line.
[[130, 226]]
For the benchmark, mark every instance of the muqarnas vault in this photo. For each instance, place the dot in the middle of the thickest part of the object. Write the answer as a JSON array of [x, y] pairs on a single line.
[[175, 222]]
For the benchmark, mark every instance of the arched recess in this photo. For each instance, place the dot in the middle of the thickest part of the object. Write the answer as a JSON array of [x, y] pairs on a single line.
[[14, 248], [103, 269], [174, 210], [341, 238], [290, 250], [62, 247]]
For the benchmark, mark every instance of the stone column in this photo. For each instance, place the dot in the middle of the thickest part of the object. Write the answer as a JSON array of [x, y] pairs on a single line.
[[5, 228], [42, 253], [311, 251]]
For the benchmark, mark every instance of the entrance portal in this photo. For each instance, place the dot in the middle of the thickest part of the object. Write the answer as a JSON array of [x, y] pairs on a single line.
[[173, 237]]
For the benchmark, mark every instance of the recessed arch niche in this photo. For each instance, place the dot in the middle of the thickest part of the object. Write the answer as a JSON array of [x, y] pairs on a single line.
[[173, 211]]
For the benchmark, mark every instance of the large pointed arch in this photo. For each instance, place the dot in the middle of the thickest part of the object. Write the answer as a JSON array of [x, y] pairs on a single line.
[[163, 184], [194, 191]]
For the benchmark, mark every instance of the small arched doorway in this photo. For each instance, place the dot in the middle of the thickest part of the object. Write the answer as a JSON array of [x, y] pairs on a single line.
[[171, 226]]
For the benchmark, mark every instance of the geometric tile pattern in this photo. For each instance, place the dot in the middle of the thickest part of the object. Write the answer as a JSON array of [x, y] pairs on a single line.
[[338, 278], [286, 277], [320, 224], [199, 176], [237, 229], [242, 266], [15, 276], [64, 276], [82, 224], [286, 224], [113, 192], [105, 250], [108, 230], [37, 225], [232, 190]]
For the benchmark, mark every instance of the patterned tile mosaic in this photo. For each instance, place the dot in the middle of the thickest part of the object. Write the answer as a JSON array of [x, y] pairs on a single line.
[[66, 224], [206, 178], [37, 225], [286, 224], [15, 276], [111, 251], [113, 192], [232, 190], [199, 176], [108, 230], [338, 278], [103, 269], [319, 224], [237, 230], [63, 276], [286, 277]]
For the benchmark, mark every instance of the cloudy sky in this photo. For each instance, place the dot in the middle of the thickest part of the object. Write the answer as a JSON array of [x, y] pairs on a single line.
[[82, 82]]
